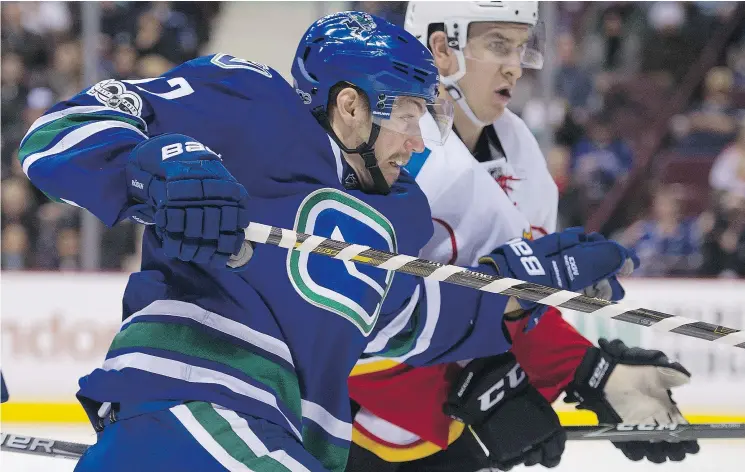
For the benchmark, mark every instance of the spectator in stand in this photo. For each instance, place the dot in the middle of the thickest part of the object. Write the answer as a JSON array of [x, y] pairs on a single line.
[[124, 62], [17, 202], [669, 47], [728, 173], [736, 62], [599, 160], [13, 93], [614, 49], [17, 39], [68, 249], [15, 247], [38, 101], [65, 77], [164, 32], [46, 18], [666, 242], [573, 83], [723, 245], [708, 128]]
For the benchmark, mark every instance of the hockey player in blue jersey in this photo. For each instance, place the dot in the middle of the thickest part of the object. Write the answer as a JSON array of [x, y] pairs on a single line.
[[217, 369]]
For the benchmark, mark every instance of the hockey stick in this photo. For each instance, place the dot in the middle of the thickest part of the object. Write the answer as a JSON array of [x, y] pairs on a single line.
[[42, 447], [618, 433], [341, 250]]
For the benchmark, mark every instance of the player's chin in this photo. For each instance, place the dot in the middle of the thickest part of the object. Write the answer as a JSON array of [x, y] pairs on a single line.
[[391, 172], [492, 113]]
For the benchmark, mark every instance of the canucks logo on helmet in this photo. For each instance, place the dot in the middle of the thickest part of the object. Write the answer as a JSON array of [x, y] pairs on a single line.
[[360, 24]]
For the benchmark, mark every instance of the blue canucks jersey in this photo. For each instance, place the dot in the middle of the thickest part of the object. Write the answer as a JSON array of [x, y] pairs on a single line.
[[278, 340]]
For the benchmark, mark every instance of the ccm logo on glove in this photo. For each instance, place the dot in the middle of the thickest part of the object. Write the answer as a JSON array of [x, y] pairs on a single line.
[[515, 377]]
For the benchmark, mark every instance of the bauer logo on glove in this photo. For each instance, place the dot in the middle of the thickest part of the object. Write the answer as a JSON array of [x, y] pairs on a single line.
[[198, 208]]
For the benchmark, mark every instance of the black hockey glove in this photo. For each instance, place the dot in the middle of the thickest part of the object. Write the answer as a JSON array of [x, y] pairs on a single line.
[[632, 385], [509, 421]]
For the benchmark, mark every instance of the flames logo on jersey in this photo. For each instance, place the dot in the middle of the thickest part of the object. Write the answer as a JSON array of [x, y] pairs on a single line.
[[504, 181]]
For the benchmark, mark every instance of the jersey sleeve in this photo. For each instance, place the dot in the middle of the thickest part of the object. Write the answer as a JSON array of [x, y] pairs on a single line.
[[438, 323], [77, 151]]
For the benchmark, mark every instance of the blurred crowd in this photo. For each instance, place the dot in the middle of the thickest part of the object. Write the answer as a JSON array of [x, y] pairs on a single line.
[[686, 215], [617, 66], [42, 63]]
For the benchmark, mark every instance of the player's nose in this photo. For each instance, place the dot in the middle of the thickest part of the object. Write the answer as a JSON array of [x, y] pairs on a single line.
[[414, 144], [512, 70]]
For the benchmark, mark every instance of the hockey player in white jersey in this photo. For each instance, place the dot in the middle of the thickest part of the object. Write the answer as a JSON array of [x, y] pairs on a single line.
[[487, 184]]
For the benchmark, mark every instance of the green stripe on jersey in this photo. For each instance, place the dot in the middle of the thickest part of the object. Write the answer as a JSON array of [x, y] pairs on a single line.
[[333, 457], [40, 138], [223, 434], [194, 342], [401, 344]]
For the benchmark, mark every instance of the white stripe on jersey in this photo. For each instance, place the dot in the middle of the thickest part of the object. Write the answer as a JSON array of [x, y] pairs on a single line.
[[243, 430], [205, 439], [194, 374], [76, 137]]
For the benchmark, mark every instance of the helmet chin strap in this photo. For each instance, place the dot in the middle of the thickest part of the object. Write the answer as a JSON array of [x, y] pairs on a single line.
[[451, 85], [366, 149]]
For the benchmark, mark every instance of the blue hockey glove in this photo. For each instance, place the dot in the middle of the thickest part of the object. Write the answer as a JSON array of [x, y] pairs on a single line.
[[199, 210], [569, 260]]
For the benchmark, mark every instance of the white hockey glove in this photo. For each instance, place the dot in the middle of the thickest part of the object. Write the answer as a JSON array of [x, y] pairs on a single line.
[[632, 385]]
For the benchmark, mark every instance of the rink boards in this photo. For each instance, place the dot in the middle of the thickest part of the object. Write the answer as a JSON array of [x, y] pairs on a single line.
[[56, 327]]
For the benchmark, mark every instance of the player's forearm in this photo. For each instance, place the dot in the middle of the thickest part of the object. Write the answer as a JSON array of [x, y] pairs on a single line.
[[550, 353], [78, 155]]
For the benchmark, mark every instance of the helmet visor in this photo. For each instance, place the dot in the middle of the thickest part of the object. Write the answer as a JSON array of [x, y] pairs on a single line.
[[415, 117], [509, 44]]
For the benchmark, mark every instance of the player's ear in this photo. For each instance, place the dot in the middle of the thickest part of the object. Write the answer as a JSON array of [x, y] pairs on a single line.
[[348, 106], [444, 58]]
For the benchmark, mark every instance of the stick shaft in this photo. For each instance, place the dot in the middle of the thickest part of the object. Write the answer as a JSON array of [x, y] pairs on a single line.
[[341, 250], [617, 433], [672, 433], [41, 447]]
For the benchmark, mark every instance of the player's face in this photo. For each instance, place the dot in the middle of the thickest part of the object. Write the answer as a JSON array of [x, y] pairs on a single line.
[[400, 136], [493, 65]]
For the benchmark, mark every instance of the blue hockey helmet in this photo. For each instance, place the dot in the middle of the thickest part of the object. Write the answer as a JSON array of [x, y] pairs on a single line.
[[381, 59]]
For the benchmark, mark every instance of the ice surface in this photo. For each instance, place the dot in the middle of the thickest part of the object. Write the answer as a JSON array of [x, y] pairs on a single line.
[[715, 456]]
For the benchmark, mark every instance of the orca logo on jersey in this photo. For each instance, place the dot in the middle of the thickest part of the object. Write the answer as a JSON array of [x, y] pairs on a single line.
[[114, 94], [353, 292]]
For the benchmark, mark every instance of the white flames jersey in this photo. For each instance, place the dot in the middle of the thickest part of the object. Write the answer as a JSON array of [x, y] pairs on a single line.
[[477, 206]]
